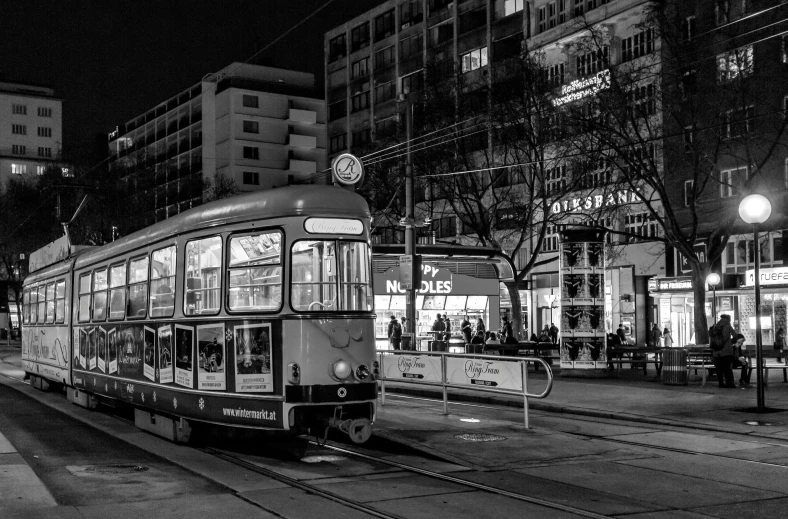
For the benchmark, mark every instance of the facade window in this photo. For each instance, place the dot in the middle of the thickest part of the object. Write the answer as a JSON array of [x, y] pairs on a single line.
[[736, 63], [689, 193], [445, 227], [542, 20], [593, 62], [251, 127], [361, 137], [386, 128], [640, 227], [251, 178], [44, 131], [337, 143], [413, 83], [19, 109], [252, 152], [385, 92], [550, 243], [359, 37], [360, 101], [785, 175], [337, 110], [739, 122], [337, 48], [442, 33], [359, 68], [384, 57], [44, 111], [40, 170], [512, 6], [784, 49], [19, 129], [722, 11], [739, 253], [18, 169], [584, 6], [250, 101], [474, 59], [641, 101], [689, 83], [688, 28], [410, 13], [554, 75], [472, 20], [508, 47], [338, 77], [384, 25], [637, 46], [18, 149], [689, 137], [44, 152], [411, 46], [731, 180], [555, 179]]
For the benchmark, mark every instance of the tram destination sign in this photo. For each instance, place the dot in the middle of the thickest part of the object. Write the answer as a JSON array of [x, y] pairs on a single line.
[[333, 226]]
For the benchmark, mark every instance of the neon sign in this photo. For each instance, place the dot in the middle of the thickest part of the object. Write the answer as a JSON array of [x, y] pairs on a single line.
[[581, 88], [593, 202]]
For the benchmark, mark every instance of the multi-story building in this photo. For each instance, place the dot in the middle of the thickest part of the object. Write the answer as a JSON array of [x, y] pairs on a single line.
[[31, 129], [254, 126]]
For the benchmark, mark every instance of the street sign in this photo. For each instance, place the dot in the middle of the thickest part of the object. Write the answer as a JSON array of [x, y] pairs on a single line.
[[347, 169], [409, 271]]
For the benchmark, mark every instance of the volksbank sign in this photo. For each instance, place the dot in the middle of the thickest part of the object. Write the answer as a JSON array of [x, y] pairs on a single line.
[[580, 88], [593, 202]]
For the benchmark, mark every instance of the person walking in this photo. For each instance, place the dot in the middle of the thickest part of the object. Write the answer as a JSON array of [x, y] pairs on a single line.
[[465, 328], [438, 327], [656, 335], [553, 333], [721, 338], [395, 333], [507, 334], [668, 337], [779, 344], [622, 335], [741, 359]]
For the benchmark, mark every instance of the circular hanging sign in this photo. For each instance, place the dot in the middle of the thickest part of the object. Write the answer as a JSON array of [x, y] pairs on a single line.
[[347, 169]]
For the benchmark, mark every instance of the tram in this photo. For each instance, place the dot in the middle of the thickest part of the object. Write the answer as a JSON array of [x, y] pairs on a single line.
[[254, 311]]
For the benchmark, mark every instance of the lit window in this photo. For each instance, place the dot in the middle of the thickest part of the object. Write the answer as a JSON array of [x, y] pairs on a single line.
[[736, 63], [512, 6], [18, 169], [203, 276], [39, 170], [474, 59]]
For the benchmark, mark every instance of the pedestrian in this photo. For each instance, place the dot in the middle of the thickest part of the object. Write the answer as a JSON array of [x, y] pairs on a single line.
[[545, 335], [779, 344], [438, 327], [622, 335], [480, 326], [534, 338], [656, 335], [465, 328], [668, 337], [395, 333], [507, 334], [477, 343], [721, 338], [553, 333], [447, 321], [741, 359], [478, 338], [493, 339]]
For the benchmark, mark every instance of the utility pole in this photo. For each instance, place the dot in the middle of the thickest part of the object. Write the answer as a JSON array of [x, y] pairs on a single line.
[[410, 228]]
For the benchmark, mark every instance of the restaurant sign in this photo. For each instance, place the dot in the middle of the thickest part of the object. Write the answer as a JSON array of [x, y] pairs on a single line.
[[770, 276], [581, 88], [435, 281], [593, 202], [681, 284]]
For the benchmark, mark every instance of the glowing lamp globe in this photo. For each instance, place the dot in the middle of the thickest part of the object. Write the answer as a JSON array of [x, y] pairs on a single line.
[[755, 209], [713, 279]]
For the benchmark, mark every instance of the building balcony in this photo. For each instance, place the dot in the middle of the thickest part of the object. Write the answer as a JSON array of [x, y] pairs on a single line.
[[303, 141], [302, 166], [303, 116]]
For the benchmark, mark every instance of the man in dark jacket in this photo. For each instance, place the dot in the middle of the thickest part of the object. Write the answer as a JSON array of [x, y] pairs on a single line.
[[395, 333], [723, 359], [465, 328], [553, 333]]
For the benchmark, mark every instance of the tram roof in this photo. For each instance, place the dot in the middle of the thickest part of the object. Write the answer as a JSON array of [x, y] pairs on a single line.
[[479, 262], [301, 200]]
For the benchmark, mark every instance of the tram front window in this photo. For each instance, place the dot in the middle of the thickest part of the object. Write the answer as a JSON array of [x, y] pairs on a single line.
[[331, 276]]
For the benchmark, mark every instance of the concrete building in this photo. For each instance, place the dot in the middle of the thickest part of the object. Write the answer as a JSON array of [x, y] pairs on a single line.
[[259, 127], [31, 132]]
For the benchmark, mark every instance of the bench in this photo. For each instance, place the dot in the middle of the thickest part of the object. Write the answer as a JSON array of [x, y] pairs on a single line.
[[772, 364], [635, 357], [699, 359]]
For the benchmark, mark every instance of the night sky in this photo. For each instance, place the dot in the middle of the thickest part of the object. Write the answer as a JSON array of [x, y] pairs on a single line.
[[112, 60]]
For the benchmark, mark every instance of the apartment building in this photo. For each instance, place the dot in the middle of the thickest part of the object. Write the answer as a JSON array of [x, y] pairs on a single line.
[[254, 126], [31, 132]]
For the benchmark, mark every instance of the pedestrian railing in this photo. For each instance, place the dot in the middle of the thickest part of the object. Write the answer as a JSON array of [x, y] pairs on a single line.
[[488, 373]]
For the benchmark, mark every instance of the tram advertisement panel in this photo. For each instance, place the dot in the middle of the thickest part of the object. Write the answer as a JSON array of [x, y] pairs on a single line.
[[210, 347], [149, 366], [165, 355], [83, 348], [102, 350], [484, 372], [419, 367], [253, 358], [130, 351], [113, 351], [184, 355], [92, 334]]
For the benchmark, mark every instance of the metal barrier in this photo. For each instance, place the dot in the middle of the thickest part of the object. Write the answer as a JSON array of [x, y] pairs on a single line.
[[491, 373]]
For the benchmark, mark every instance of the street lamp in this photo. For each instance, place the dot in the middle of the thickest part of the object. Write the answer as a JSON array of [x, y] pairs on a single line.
[[754, 210], [713, 280]]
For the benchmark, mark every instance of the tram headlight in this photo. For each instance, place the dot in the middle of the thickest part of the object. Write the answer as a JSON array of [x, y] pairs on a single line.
[[362, 372], [294, 373], [341, 369], [375, 369]]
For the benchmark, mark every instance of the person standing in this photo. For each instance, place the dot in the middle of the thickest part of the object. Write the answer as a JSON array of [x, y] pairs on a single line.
[[507, 334], [779, 344], [553, 333], [465, 328], [721, 337], [741, 359], [438, 327], [656, 335], [668, 337], [447, 321], [480, 326], [395, 333]]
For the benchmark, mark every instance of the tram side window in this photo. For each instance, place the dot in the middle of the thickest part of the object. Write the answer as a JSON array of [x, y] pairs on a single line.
[[354, 282], [255, 272], [60, 301], [100, 295], [50, 304], [138, 288], [314, 275], [42, 298], [33, 305], [84, 298], [162, 282], [117, 291], [203, 271], [26, 306]]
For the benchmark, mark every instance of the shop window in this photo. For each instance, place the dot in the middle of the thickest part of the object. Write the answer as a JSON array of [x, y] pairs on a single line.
[[162, 282], [203, 276]]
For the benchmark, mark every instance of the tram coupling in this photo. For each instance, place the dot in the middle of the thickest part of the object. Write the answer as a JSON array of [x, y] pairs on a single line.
[[359, 429]]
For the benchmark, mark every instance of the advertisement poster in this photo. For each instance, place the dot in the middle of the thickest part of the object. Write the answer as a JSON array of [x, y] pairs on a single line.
[[210, 347], [92, 348], [113, 351], [419, 367], [484, 372], [83, 348], [165, 354], [149, 369], [184, 355], [130, 351], [102, 350], [253, 358]]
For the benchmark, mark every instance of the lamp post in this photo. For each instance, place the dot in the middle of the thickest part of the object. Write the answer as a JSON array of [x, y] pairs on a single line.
[[713, 280], [755, 209]]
